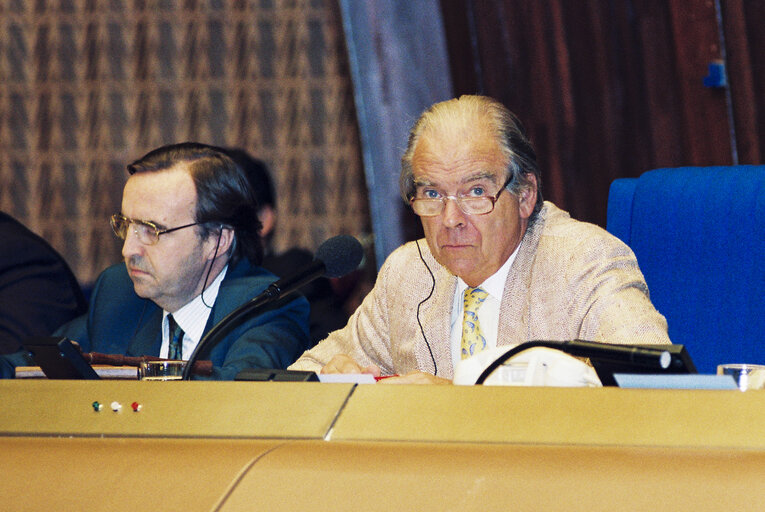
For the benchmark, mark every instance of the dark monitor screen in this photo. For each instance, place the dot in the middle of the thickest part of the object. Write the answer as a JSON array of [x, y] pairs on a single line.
[[59, 358]]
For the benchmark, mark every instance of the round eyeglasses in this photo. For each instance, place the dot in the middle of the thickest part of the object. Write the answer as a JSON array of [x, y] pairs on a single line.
[[146, 231]]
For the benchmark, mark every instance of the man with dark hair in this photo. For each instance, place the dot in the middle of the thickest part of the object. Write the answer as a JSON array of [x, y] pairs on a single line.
[[327, 308], [192, 249], [498, 266], [262, 185]]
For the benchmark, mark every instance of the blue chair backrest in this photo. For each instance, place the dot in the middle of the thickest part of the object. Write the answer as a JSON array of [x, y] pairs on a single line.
[[699, 237]]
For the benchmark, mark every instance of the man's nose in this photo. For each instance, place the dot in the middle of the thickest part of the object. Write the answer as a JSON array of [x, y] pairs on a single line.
[[453, 216], [131, 246]]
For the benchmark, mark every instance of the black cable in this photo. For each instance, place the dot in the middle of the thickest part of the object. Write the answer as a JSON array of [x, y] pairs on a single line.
[[432, 288], [212, 262]]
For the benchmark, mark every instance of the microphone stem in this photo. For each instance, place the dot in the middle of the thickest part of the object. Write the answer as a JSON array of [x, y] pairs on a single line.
[[282, 288], [274, 292], [219, 330]]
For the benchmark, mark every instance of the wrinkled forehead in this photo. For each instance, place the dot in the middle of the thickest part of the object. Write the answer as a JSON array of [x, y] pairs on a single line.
[[461, 153], [462, 179]]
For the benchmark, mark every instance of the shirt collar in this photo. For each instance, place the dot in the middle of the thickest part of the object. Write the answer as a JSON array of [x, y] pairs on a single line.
[[189, 316], [494, 285]]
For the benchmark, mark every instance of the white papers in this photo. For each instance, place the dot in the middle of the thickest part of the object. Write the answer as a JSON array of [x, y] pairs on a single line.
[[355, 378]]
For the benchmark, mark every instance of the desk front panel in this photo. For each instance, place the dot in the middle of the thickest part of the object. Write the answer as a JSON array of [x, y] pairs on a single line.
[[171, 409], [230, 475], [355, 476], [523, 415], [122, 474]]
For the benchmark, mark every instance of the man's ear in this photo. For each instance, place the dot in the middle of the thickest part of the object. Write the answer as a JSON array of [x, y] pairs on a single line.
[[267, 218], [527, 197], [225, 241]]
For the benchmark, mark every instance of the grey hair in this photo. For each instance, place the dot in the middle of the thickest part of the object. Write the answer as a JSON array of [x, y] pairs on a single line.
[[471, 109]]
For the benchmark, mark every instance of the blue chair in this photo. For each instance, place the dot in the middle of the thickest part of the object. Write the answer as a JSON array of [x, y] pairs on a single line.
[[699, 237]]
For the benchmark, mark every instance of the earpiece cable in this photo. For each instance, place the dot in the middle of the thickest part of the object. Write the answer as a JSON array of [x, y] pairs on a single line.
[[432, 288]]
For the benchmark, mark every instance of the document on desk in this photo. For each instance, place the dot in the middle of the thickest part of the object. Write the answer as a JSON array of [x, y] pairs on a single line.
[[674, 381], [354, 378]]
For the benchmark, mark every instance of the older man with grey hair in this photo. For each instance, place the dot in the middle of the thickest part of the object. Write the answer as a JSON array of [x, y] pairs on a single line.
[[499, 266]]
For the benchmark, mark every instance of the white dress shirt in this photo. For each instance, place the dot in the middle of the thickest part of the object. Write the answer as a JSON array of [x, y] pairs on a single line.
[[488, 314], [192, 318]]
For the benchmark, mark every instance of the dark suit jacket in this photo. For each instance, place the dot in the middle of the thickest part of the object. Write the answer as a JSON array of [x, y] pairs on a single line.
[[120, 322], [38, 291]]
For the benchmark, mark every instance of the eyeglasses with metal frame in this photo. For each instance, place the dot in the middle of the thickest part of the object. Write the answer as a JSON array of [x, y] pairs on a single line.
[[470, 205], [146, 231]]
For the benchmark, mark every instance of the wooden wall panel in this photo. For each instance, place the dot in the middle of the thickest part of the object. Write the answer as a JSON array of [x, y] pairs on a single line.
[[87, 86], [612, 88], [745, 58]]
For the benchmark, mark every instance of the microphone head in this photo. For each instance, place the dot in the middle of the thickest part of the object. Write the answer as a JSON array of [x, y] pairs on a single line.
[[340, 255]]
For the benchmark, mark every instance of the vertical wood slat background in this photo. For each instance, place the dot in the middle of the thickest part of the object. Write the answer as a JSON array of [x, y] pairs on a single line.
[[613, 88], [87, 86]]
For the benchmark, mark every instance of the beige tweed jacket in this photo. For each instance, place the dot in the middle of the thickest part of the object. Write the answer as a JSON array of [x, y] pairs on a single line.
[[570, 280]]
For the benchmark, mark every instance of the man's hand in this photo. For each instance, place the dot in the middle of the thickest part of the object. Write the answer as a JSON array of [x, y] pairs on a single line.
[[415, 377], [341, 363]]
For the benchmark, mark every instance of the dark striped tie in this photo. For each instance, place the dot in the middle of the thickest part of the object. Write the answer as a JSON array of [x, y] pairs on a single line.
[[176, 339]]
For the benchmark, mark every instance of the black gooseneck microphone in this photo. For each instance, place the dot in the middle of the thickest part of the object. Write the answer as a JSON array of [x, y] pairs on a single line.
[[336, 257], [656, 358]]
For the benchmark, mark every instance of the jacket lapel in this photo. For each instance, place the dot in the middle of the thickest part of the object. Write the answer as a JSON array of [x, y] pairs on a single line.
[[148, 338], [515, 306], [435, 316]]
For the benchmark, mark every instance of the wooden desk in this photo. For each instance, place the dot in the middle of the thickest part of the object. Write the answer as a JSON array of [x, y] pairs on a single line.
[[298, 445]]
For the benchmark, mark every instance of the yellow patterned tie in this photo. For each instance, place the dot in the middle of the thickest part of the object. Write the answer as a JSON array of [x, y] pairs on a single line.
[[472, 339]]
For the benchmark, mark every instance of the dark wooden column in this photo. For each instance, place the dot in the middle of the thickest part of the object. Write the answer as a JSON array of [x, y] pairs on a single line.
[[613, 88]]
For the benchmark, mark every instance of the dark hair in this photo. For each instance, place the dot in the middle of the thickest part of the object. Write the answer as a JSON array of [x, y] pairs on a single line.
[[522, 160], [258, 175], [224, 194]]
